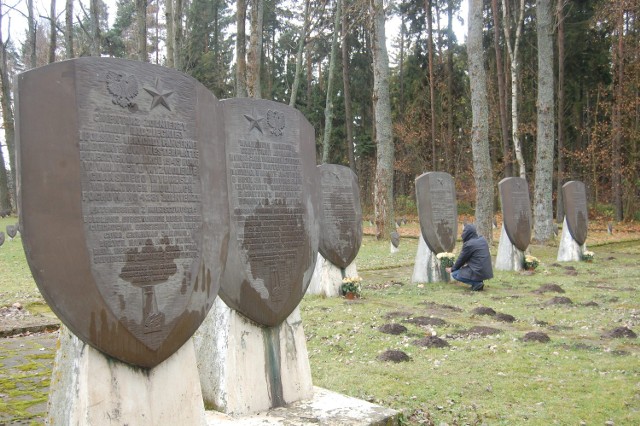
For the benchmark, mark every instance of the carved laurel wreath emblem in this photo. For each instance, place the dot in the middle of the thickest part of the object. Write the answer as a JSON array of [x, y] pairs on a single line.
[[275, 120]]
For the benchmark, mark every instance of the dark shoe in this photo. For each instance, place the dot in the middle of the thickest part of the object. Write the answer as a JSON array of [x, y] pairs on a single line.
[[477, 287]]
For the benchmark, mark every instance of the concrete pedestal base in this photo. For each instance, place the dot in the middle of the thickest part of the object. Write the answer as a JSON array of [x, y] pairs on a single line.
[[427, 266], [89, 388], [245, 368], [327, 277], [509, 257], [326, 408], [569, 250], [393, 249]]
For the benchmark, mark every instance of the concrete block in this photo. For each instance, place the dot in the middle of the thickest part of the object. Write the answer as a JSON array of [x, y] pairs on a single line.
[[426, 268], [327, 277], [509, 257], [569, 250]]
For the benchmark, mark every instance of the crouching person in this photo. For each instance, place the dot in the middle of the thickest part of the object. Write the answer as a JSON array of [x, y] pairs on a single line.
[[473, 265]]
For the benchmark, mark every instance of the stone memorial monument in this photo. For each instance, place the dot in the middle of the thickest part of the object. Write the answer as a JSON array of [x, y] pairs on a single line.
[[12, 231], [341, 229], [394, 247], [125, 230], [251, 350], [515, 235], [1, 238], [576, 221], [438, 213]]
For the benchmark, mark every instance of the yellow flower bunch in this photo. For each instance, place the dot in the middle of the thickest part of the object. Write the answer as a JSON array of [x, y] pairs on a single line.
[[446, 259], [588, 256], [351, 285], [531, 262]]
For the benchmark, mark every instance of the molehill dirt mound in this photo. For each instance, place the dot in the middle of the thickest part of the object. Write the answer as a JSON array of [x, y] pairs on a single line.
[[591, 304], [481, 330], [559, 300], [393, 356], [572, 273], [620, 333], [570, 268], [426, 321], [397, 314], [438, 306], [392, 328], [483, 310], [431, 342], [549, 288], [504, 317], [536, 336]]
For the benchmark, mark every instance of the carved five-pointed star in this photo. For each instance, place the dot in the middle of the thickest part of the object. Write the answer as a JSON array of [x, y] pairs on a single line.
[[159, 97], [254, 122]]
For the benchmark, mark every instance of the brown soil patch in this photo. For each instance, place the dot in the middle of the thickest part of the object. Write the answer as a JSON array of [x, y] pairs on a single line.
[[394, 329], [482, 310], [620, 333], [549, 288], [570, 268], [505, 317], [573, 273], [482, 331], [394, 356], [431, 342], [437, 306], [397, 314], [593, 304], [559, 300], [426, 321], [536, 336]]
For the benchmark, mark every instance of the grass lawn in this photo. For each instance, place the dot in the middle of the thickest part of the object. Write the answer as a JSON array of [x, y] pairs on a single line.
[[582, 374]]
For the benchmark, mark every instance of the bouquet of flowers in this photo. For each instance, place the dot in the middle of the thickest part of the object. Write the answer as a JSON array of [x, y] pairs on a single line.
[[446, 259], [351, 285], [530, 262], [587, 256]]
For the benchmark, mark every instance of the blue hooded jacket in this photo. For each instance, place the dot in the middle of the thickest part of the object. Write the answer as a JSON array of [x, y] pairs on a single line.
[[474, 261]]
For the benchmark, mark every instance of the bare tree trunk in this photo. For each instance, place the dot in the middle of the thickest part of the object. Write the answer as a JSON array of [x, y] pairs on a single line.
[[545, 135], [309, 75], [348, 114], [53, 35], [94, 12], [504, 126], [328, 109], [383, 204], [432, 89], [141, 19], [480, 125], [68, 31], [9, 132], [254, 58], [241, 49], [178, 35], [560, 161], [301, 43], [616, 172], [31, 36], [513, 57], [450, 147], [171, 39]]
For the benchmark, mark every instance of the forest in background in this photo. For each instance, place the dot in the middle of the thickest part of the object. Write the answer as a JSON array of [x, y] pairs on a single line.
[[546, 90]]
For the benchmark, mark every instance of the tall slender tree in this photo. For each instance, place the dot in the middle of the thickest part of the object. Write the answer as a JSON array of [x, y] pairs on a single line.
[[68, 29], [254, 57], [7, 121], [560, 160], [480, 127], [141, 19], [348, 114], [171, 38], [383, 185], [328, 109], [502, 101], [53, 34], [545, 135], [241, 49], [432, 83]]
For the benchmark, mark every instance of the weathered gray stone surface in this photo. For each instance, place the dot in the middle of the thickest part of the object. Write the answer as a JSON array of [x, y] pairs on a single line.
[[246, 368], [340, 214], [124, 225], [327, 277], [427, 266], [438, 210], [325, 408], [274, 203], [89, 388], [575, 209], [509, 257], [516, 211], [569, 250]]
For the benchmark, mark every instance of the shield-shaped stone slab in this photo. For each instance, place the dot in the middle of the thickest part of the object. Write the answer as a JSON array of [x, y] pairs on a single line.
[[1, 238], [438, 210], [516, 211], [12, 231], [274, 203], [340, 214], [574, 197], [125, 224]]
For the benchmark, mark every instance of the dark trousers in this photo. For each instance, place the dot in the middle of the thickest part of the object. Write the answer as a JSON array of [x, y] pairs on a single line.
[[475, 285]]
